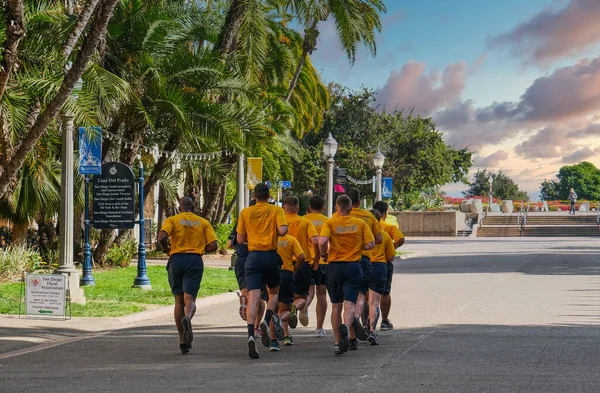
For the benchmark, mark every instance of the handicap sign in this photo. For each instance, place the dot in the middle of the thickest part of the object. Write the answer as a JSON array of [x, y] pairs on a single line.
[[386, 190], [286, 184], [90, 150], [283, 184]]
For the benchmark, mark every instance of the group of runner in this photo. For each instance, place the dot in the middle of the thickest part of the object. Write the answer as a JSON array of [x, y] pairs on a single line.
[[284, 260]]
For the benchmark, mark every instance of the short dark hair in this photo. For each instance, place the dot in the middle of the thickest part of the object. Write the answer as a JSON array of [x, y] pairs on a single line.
[[186, 204], [316, 203], [343, 202], [354, 195], [291, 201], [261, 192], [376, 213], [381, 206]]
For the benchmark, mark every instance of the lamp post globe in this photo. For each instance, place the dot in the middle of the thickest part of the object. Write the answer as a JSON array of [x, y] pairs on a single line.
[[329, 149], [378, 161]]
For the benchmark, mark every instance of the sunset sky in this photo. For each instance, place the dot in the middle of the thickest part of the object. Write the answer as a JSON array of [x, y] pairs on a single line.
[[518, 82]]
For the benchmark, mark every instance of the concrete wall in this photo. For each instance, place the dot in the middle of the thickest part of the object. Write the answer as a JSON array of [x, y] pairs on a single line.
[[417, 224]]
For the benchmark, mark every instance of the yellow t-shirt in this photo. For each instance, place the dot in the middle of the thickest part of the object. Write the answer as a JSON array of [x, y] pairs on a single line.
[[383, 251], [289, 250], [369, 219], [392, 230], [317, 219], [260, 223], [189, 233], [347, 237], [303, 230]]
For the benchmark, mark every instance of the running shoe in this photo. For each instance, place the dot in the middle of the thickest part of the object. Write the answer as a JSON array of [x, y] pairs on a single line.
[[353, 344], [243, 305], [288, 341], [320, 333], [344, 339], [359, 330], [337, 349], [185, 349], [385, 326], [293, 321], [188, 335], [252, 350], [373, 339], [279, 332], [303, 317], [274, 346], [264, 330], [257, 333]]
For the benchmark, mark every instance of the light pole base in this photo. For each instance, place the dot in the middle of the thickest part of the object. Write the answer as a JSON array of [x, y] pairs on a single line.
[[75, 292], [87, 281], [145, 287]]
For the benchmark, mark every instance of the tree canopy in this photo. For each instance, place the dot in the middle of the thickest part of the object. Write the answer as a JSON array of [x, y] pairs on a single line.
[[584, 178], [503, 187]]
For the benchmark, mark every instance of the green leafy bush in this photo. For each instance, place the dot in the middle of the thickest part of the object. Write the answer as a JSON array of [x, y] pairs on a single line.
[[5, 237], [17, 259], [121, 254], [223, 231]]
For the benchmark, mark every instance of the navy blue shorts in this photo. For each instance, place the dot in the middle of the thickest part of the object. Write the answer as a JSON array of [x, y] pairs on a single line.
[[185, 273], [388, 281], [343, 281], [302, 280], [320, 275], [240, 271], [263, 267], [365, 264], [286, 288], [378, 277]]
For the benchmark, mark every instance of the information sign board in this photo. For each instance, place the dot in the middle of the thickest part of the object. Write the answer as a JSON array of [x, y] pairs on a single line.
[[114, 197], [45, 294]]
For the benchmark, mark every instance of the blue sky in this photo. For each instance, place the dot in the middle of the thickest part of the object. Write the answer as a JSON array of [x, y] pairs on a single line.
[[509, 79]]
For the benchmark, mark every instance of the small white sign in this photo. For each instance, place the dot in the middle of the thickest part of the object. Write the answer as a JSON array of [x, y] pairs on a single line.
[[45, 294]]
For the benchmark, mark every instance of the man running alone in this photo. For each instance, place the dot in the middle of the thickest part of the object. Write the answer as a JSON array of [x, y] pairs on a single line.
[[343, 238], [191, 237], [261, 226]]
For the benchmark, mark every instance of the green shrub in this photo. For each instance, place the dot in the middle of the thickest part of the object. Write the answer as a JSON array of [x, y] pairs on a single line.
[[223, 231], [121, 254], [5, 237], [17, 259]]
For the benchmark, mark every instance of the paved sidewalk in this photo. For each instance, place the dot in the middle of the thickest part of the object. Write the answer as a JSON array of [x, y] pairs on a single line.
[[500, 315]]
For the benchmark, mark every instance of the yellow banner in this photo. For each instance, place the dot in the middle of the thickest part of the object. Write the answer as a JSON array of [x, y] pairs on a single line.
[[255, 170]]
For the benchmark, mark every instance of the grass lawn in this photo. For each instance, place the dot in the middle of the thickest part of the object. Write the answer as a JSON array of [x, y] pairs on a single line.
[[398, 253], [113, 296]]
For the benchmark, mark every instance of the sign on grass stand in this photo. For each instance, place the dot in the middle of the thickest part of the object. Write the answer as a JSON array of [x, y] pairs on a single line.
[[45, 295]]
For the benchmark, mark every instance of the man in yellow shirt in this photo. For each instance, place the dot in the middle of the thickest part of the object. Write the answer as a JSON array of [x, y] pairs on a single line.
[[304, 231], [381, 255], [398, 239], [343, 238], [316, 207], [191, 237], [260, 226], [289, 250], [365, 261]]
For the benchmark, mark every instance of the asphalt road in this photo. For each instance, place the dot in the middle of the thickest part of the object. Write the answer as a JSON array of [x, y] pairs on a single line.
[[495, 315]]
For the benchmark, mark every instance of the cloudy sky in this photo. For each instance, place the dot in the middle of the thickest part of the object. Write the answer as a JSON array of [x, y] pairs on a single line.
[[517, 82]]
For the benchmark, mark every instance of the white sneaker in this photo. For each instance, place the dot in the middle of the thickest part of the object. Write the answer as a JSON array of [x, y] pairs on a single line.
[[320, 333]]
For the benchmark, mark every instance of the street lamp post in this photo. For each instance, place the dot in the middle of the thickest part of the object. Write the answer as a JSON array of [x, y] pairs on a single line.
[[378, 160], [329, 149], [490, 180]]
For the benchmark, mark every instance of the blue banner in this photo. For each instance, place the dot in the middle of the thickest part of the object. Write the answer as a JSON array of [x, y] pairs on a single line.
[[386, 190], [90, 150]]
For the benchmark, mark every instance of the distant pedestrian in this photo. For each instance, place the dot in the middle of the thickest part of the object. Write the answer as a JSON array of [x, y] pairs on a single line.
[[191, 237], [573, 199]]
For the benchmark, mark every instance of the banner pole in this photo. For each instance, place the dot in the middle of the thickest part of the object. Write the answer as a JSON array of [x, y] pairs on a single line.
[[87, 279], [142, 280]]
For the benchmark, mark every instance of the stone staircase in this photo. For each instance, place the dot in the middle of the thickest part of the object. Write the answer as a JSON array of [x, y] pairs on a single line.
[[540, 225]]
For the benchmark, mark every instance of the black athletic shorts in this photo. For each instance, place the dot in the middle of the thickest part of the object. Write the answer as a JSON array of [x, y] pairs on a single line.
[[390, 275], [240, 271], [378, 277], [302, 280], [365, 264], [320, 275], [286, 288], [185, 273], [343, 281], [263, 267]]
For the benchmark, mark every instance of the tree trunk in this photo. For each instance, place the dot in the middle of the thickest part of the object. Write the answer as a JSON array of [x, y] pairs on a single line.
[[160, 165], [19, 232], [229, 208], [88, 47], [231, 27], [294, 80], [221, 205], [105, 241], [82, 21], [308, 45], [15, 30], [212, 202]]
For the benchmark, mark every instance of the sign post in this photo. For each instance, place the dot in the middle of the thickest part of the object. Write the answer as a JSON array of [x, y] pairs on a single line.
[[90, 163]]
